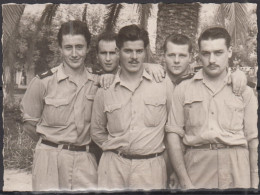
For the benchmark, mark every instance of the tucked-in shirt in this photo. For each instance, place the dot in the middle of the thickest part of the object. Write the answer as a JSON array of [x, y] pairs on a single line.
[[132, 121], [61, 108], [201, 115]]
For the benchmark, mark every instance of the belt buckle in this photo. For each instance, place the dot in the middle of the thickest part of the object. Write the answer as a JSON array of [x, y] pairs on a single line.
[[70, 147], [213, 146]]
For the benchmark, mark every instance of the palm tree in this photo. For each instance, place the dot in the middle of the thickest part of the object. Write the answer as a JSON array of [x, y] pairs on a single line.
[[233, 16], [176, 18], [11, 18]]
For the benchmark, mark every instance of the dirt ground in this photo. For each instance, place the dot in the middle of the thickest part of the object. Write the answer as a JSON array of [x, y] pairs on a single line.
[[17, 180]]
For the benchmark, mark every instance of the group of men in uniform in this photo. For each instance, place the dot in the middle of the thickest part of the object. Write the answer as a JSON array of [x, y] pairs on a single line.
[[208, 131]]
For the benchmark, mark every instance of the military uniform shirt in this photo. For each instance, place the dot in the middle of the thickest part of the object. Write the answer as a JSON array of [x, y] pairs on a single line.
[[129, 121], [202, 116], [61, 109]]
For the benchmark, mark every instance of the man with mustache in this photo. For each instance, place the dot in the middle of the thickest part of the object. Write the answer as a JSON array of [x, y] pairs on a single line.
[[128, 120], [217, 127]]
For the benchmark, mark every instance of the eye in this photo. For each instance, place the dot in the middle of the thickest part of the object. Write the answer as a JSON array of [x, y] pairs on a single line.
[[183, 55], [79, 46], [128, 51], [205, 54], [139, 51], [103, 53], [68, 47], [218, 53], [112, 53], [171, 55]]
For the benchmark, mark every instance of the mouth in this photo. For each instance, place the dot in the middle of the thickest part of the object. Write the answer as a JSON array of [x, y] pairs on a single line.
[[108, 64], [212, 67]]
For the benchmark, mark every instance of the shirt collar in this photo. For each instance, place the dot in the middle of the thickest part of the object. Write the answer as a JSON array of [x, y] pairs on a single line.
[[199, 75], [118, 80], [61, 73]]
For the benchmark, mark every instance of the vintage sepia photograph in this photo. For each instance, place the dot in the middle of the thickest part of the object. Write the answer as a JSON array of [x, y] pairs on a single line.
[[124, 97]]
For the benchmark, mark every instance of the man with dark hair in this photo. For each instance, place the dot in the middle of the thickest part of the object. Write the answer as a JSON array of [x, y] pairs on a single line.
[[218, 128], [128, 120], [57, 110]]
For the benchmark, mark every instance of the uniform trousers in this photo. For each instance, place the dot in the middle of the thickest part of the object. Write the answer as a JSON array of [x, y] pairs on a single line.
[[220, 168], [61, 169], [117, 172]]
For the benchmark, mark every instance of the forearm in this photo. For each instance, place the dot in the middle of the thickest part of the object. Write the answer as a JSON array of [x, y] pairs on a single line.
[[30, 129], [99, 137], [253, 158], [175, 153]]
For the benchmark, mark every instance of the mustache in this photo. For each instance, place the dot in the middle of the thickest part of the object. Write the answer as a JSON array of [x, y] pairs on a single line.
[[134, 61]]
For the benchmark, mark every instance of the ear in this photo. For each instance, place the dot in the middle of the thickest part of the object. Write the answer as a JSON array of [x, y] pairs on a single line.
[[117, 51], [88, 49], [190, 57], [230, 52]]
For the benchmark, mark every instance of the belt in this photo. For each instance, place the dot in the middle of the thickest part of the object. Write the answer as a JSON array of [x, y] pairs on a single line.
[[131, 157], [214, 146], [65, 146]]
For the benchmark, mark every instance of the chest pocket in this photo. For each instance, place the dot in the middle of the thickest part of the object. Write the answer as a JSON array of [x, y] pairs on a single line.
[[194, 113], [89, 99], [116, 119], [233, 115], [154, 110], [56, 111]]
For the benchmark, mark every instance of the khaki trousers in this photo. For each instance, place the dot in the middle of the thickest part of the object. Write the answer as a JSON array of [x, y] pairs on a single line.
[[58, 169], [116, 172], [222, 168]]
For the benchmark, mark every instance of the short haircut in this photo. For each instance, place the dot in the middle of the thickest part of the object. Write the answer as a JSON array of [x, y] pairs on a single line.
[[178, 39], [106, 36], [215, 33], [74, 27], [132, 33]]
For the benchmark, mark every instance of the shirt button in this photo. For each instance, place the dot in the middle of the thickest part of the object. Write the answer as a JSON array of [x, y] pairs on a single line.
[[212, 112], [211, 128]]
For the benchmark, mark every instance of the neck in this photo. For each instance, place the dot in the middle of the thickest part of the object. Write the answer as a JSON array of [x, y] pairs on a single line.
[[131, 77], [174, 77], [215, 81], [73, 72]]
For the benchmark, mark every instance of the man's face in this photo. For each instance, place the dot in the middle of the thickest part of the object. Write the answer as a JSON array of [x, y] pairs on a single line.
[[107, 55], [132, 55], [177, 58], [214, 56], [74, 50]]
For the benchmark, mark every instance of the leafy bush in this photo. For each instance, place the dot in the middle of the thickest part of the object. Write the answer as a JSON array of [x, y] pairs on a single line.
[[18, 147]]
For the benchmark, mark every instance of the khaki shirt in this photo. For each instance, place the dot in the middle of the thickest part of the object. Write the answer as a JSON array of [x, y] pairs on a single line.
[[132, 122], [202, 116], [61, 109]]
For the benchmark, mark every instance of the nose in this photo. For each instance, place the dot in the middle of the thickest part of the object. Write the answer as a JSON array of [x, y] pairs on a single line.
[[212, 58], [177, 59], [134, 56], [74, 52], [108, 57]]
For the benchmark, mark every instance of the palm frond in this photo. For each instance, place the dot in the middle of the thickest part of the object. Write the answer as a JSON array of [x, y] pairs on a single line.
[[112, 16], [84, 14], [144, 13], [237, 24], [12, 14]]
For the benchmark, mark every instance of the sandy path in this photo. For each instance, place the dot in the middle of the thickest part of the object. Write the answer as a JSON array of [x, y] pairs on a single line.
[[17, 180]]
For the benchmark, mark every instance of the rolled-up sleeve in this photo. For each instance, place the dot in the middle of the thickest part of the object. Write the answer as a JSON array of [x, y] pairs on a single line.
[[250, 114], [175, 121], [32, 102], [98, 130]]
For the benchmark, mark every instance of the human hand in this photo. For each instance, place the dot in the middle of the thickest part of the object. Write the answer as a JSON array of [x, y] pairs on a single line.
[[155, 70], [106, 80], [239, 81]]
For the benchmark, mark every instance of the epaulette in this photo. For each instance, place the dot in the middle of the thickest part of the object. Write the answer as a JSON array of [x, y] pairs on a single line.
[[45, 74], [184, 77], [98, 71], [197, 68], [251, 84]]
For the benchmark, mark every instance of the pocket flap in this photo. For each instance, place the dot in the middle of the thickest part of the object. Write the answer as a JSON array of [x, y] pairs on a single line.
[[90, 96], [189, 100], [57, 101], [235, 106], [155, 101], [112, 107]]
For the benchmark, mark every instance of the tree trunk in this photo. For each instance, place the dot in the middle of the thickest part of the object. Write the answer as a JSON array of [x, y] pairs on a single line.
[[176, 18]]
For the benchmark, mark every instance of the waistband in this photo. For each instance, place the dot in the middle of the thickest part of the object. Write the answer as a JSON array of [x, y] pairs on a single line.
[[66, 146], [134, 157], [215, 146]]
